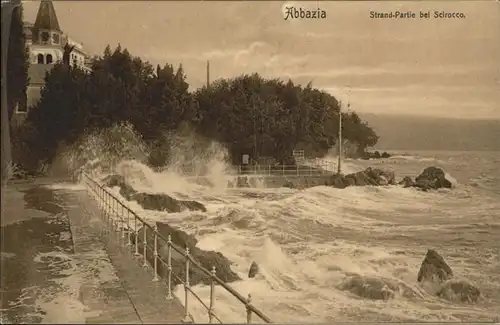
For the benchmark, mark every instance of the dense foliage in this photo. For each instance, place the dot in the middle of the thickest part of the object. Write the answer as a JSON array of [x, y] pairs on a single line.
[[18, 62], [248, 114]]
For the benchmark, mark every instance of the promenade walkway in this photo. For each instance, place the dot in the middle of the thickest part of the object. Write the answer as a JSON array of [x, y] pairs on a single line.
[[60, 265], [138, 299]]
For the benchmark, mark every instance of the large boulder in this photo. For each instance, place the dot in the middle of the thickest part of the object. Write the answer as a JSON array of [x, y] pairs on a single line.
[[337, 181], [254, 269], [368, 177], [434, 268], [360, 179], [459, 291], [432, 178], [163, 202], [114, 180], [159, 202], [375, 288], [181, 240], [435, 271], [407, 182], [385, 155]]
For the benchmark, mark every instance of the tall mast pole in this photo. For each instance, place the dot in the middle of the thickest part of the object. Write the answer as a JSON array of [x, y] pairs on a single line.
[[208, 74], [339, 165]]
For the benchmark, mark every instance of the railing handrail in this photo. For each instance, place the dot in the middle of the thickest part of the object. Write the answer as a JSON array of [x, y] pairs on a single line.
[[181, 251], [324, 168]]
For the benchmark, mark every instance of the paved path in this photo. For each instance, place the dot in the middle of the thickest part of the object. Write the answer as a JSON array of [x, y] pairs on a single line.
[[135, 298], [58, 266]]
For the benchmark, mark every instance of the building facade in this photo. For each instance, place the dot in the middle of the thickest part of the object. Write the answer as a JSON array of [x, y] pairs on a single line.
[[45, 41]]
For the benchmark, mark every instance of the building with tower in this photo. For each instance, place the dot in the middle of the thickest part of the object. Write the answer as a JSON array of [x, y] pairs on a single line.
[[45, 41]]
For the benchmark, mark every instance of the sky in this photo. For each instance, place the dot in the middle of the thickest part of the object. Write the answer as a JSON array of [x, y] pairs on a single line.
[[427, 67]]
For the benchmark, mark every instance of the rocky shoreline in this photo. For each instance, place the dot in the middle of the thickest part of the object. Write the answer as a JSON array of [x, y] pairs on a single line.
[[182, 240], [435, 277], [208, 259], [431, 178], [159, 202]]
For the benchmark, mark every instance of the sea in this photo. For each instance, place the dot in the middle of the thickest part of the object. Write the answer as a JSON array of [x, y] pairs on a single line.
[[328, 255], [312, 244]]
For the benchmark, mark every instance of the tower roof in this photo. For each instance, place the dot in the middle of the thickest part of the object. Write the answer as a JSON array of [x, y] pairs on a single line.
[[46, 17]]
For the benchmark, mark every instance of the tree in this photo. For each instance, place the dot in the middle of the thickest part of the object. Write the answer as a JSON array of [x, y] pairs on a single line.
[[267, 117], [248, 114], [63, 112], [18, 63]]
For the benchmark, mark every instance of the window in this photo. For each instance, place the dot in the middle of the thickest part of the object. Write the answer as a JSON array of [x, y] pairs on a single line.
[[40, 58], [49, 58], [55, 38], [22, 106], [45, 37]]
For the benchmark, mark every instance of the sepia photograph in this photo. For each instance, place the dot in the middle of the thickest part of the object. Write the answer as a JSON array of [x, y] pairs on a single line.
[[312, 162]]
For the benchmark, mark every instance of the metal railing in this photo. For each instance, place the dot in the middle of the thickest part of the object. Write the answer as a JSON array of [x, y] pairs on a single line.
[[120, 218], [313, 168], [316, 169]]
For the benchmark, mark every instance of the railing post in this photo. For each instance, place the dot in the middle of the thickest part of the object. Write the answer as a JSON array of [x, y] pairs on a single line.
[[108, 212], [108, 208], [187, 319], [269, 170], [212, 300], [298, 168], [136, 237], [155, 254], [122, 220], [114, 209], [145, 245], [283, 170], [129, 243], [249, 310], [105, 210], [169, 267]]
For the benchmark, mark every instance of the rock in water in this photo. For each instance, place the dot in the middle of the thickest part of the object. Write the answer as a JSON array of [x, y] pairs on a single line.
[[459, 291], [159, 202], [254, 269], [432, 178], [369, 287], [180, 239], [383, 181], [336, 180], [163, 202], [434, 268], [407, 182], [368, 177], [114, 180]]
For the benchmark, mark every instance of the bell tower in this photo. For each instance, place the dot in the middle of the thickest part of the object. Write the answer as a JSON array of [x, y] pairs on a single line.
[[47, 34], [46, 28]]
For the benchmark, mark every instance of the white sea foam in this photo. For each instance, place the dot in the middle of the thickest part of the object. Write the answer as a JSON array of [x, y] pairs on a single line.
[[60, 301], [317, 248], [308, 243]]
